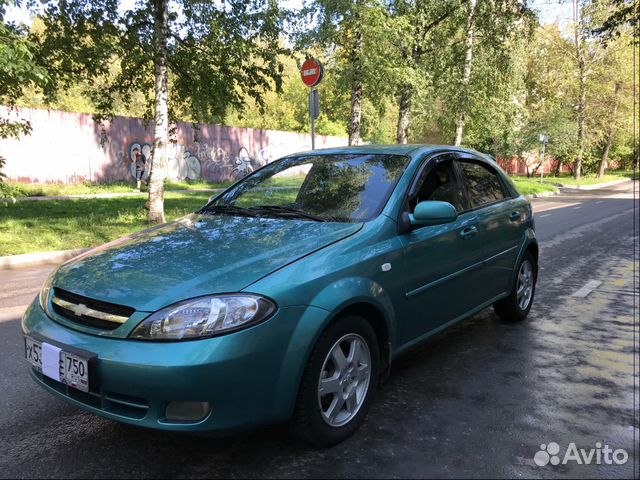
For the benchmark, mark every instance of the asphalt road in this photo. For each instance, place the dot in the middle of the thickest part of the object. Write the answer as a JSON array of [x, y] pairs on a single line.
[[476, 401]]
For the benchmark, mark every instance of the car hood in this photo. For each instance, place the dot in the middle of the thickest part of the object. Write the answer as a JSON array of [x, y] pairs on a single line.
[[196, 255]]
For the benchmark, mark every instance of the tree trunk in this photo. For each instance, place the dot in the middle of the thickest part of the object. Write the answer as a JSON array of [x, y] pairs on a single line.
[[161, 134], [356, 80], [402, 132], [558, 166], [611, 130], [581, 119], [466, 75], [577, 20]]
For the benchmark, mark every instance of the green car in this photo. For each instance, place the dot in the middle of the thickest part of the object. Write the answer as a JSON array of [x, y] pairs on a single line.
[[287, 296]]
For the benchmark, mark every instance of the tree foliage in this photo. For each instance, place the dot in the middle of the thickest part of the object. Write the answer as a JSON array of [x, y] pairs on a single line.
[[18, 69], [192, 58], [394, 70]]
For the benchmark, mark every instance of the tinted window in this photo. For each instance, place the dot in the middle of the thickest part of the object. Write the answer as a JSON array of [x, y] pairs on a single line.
[[483, 184], [440, 183], [350, 187]]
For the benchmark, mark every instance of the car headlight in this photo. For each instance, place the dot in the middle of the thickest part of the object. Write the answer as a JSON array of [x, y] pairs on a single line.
[[204, 317], [45, 293]]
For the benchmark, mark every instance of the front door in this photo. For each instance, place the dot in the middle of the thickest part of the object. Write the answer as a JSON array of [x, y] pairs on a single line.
[[439, 262]]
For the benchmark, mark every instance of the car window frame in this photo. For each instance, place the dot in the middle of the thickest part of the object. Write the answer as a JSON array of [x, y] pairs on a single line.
[[508, 195]]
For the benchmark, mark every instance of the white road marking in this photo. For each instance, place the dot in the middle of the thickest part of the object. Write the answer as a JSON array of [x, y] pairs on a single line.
[[599, 201], [545, 207], [589, 287], [576, 208], [545, 215]]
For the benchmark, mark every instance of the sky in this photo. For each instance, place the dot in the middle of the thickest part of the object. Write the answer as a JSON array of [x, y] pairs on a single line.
[[549, 11]]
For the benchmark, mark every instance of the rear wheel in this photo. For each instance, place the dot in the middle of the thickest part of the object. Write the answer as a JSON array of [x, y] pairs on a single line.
[[338, 383], [517, 305]]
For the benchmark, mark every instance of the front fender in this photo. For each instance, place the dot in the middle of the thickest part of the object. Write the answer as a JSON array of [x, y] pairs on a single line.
[[325, 306], [354, 290], [528, 239]]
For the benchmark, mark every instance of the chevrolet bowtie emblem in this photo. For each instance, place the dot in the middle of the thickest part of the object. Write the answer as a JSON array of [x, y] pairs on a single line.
[[79, 309]]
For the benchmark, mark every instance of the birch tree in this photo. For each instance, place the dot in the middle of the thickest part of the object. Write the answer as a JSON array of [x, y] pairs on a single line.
[[197, 56], [466, 75], [347, 32], [418, 33]]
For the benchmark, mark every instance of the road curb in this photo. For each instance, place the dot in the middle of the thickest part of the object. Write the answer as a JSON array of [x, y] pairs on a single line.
[[39, 258], [543, 194]]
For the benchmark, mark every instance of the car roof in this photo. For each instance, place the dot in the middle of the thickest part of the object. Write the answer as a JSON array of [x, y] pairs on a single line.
[[412, 150]]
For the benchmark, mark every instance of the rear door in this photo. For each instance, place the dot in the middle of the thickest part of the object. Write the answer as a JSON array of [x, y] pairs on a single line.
[[500, 222]]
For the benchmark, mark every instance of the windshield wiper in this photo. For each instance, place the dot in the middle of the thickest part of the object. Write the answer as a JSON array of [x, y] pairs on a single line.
[[287, 211], [228, 209]]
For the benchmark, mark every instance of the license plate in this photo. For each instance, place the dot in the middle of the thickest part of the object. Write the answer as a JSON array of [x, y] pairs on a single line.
[[55, 363]]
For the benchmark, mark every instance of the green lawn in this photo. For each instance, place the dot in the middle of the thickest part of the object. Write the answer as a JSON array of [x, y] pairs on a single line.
[[40, 226], [530, 186], [85, 188], [27, 227], [59, 189], [590, 179]]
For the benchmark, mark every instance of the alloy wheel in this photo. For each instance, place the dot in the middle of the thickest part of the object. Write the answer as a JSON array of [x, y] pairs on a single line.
[[524, 290], [344, 380]]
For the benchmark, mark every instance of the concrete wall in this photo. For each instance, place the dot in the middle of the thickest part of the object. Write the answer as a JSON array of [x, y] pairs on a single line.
[[71, 147]]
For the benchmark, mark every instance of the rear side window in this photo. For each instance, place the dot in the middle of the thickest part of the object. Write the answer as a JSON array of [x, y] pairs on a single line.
[[482, 183]]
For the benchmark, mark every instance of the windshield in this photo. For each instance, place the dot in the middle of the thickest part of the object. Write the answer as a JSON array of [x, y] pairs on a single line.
[[341, 188]]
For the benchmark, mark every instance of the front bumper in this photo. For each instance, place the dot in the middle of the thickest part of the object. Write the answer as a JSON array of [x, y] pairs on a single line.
[[249, 377]]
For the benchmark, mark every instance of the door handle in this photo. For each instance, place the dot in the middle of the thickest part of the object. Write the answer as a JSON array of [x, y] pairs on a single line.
[[468, 232], [514, 216]]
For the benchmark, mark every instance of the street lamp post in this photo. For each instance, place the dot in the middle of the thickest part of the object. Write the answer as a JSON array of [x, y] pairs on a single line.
[[544, 139]]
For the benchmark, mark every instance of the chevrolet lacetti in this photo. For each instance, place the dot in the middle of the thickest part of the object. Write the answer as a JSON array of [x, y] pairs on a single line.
[[287, 296]]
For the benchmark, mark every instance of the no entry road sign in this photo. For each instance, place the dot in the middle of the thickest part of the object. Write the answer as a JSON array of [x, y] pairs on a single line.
[[311, 72]]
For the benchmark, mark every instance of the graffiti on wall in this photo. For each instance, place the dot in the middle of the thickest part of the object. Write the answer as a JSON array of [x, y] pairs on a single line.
[[200, 161], [70, 147]]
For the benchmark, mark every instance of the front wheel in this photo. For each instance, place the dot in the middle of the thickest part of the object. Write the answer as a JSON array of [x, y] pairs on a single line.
[[517, 305], [338, 383]]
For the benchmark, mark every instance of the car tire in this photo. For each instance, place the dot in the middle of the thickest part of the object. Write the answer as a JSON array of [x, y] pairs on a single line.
[[515, 307], [349, 389]]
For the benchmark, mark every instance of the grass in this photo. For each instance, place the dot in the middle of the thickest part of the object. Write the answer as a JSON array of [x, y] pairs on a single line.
[[590, 179], [27, 227], [85, 188], [530, 186], [61, 189]]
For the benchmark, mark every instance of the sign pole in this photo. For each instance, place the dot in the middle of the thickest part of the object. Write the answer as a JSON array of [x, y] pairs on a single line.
[[311, 74], [543, 139], [313, 120]]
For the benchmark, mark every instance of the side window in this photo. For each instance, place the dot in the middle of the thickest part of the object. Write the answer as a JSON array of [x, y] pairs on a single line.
[[482, 184], [439, 183]]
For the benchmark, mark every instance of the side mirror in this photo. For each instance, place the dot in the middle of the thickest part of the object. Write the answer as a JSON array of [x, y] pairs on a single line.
[[432, 212]]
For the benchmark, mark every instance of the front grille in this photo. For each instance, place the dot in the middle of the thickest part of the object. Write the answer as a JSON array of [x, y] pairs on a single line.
[[90, 312]]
